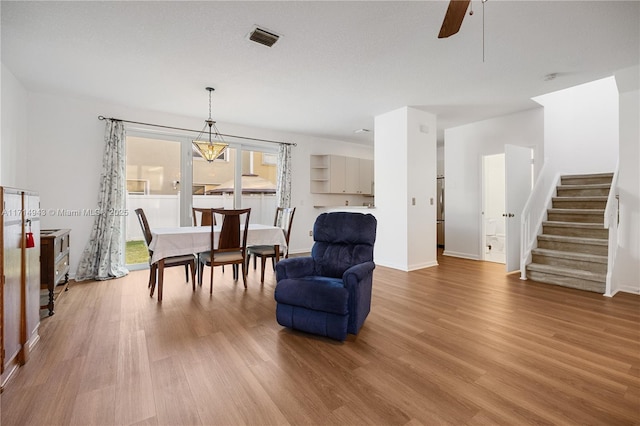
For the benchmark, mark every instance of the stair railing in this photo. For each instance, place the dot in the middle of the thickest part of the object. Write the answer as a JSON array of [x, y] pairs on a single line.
[[611, 219], [533, 213]]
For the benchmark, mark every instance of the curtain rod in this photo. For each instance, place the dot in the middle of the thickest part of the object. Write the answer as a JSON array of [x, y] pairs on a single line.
[[101, 117]]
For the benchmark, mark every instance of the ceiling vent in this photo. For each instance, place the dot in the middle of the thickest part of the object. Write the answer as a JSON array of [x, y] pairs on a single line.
[[263, 37]]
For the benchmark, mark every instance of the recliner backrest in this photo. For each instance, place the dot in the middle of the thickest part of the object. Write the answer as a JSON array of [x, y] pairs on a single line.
[[342, 240]]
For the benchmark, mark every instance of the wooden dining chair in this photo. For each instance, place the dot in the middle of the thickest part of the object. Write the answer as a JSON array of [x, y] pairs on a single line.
[[283, 219], [206, 218], [202, 216], [232, 243], [185, 260]]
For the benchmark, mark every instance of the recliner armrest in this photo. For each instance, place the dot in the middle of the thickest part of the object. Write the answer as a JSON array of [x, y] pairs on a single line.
[[295, 267], [357, 273]]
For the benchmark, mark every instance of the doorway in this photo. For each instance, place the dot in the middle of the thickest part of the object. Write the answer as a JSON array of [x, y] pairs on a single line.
[[507, 179]]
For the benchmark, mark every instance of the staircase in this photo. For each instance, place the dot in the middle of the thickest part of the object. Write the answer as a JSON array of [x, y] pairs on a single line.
[[572, 249]]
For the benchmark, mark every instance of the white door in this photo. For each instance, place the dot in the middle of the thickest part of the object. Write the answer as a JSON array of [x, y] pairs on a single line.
[[517, 188]]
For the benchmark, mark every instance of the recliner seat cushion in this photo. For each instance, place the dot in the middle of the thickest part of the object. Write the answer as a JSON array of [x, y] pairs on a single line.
[[317, 293]]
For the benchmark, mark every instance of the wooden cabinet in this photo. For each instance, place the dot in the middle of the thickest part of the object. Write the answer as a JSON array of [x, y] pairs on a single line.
[[335, 174], [54, 263], [20, 275]]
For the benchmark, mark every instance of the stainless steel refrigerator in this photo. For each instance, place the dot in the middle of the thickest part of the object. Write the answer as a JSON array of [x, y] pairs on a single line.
[[440, 211]]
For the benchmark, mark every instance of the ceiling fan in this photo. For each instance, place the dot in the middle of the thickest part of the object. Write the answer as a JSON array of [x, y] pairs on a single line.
[[453, 18]]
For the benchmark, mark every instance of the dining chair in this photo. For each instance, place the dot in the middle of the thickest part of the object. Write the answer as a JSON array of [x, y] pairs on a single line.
[[204, 214], [283, 219], [232, 243], [184, 260]]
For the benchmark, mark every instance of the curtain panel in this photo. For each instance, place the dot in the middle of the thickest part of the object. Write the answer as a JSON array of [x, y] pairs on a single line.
[[283, 186], [103, 258]]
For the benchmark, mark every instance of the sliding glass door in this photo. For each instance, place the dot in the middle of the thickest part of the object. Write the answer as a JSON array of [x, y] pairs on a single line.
[[153, 184], [166, 177]]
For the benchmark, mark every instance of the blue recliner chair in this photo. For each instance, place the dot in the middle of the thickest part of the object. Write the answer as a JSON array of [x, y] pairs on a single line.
[[329, 293]]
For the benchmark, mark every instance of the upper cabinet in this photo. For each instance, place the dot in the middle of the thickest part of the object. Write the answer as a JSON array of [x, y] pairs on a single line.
[[335, 174]]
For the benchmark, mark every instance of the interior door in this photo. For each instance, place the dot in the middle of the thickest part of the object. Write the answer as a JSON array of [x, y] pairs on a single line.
[[517, 189]]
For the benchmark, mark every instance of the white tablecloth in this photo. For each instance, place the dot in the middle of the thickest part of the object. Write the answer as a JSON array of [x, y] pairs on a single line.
[[167, 242]]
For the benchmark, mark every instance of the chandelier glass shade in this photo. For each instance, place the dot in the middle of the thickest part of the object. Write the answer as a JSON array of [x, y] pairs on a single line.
[[209, 142]]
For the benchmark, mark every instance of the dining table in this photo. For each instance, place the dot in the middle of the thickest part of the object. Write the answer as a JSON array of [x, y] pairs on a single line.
[[177, 241]]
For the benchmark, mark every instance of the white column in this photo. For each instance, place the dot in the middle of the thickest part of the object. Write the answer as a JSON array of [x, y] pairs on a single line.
[[405, 179]]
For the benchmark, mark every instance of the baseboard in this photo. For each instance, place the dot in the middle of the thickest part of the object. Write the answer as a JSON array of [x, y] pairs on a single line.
[[391, 265], [9, 371], [629, 289], [33, 340], [423, 265], [461, 255]]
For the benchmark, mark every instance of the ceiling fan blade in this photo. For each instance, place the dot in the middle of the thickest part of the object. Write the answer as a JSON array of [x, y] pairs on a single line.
[[453, 18]]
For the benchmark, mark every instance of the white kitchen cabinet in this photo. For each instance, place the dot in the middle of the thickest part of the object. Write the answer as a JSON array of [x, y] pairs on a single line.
[[336, 174], [365, 184]]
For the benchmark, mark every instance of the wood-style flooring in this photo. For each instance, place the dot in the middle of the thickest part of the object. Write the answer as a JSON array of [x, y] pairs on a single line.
[[458, 344]]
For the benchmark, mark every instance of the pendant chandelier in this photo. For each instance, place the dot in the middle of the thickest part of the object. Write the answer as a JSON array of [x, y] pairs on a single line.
[[214, 146]]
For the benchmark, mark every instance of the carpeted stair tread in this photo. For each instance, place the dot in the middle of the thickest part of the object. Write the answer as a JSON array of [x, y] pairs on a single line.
[[589, 176], [586, 225], [570, 255], [573, 211], [567, 272], [582, 198], [576, 240], [586, 186]]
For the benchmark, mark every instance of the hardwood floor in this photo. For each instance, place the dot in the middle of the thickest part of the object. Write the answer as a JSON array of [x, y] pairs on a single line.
[[461, 343]]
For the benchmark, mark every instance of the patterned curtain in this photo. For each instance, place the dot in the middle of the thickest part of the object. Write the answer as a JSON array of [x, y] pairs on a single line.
[[283, 187], [102, 258]]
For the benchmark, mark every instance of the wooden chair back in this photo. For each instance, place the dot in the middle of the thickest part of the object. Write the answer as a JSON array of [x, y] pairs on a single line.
[[284, 219], [231, 238], [142, 219], [206, 217]]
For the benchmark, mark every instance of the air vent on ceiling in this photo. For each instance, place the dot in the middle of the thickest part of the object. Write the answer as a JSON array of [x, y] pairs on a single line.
[[263, 37]]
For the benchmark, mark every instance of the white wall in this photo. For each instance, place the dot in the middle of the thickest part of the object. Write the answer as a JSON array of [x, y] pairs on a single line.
[[66, 142], [464, 147], [391, 189], [581, 128], [626, 274], [13, 134]]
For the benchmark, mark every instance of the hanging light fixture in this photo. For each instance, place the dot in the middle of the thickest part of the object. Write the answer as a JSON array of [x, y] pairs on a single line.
[[210, 149]]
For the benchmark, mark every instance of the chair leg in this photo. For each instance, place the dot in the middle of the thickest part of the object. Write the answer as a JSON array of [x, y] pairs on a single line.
[[160, 279], [186, 273], [211, 280], [255, 257], [244, 274], [152, 278], [193, 275], [263, 264], [152, 275]]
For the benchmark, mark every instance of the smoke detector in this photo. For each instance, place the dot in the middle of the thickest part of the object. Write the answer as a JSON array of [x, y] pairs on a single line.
[[263, 37]]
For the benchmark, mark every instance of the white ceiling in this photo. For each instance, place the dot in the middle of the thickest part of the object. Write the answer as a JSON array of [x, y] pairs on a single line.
[[336, 66]]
